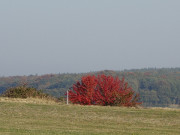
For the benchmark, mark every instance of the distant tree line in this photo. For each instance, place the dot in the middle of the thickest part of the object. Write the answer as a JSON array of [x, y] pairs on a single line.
[[157, 87]]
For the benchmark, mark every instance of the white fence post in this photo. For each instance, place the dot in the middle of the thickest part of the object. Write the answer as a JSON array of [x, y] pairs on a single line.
[[67, 97]]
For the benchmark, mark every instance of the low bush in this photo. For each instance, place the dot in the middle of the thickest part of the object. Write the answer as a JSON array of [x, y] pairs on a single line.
[[103, 90], [25, 92]]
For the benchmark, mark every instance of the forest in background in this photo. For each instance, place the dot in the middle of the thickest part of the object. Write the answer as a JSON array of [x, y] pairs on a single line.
[[157, 87]]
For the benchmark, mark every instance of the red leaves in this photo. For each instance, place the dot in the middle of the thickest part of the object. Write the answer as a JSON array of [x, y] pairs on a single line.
[[83, 93], [103, 90]]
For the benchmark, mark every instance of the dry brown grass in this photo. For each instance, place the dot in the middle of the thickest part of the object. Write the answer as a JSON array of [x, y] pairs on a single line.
[[29, 100]]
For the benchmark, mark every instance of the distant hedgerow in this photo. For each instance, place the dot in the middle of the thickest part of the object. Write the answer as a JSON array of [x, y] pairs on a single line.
[[103, 90]]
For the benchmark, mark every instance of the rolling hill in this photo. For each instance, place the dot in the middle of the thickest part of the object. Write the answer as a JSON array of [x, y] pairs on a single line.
[[30, 117], [157, 87]]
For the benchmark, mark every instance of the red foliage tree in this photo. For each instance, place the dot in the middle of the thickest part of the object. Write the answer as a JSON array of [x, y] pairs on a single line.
[[83, 92], [103, 90]]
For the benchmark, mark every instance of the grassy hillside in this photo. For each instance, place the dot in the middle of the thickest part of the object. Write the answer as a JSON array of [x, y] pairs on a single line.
[[31, 117]]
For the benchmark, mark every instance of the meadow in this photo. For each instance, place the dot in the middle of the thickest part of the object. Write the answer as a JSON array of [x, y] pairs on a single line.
[[38, 117]]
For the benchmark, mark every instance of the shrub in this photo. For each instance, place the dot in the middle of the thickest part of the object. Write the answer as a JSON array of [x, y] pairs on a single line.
[[25, 92], [103, 90], [83, 92]]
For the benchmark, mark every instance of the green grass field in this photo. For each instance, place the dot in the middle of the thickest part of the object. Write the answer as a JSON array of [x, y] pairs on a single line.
[[31, 118]]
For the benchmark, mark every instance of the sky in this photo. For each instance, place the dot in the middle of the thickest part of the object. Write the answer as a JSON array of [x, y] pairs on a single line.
[[75, 36]]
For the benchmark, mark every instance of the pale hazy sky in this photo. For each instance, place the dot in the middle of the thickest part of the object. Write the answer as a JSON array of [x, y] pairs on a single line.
[[60, 36]]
